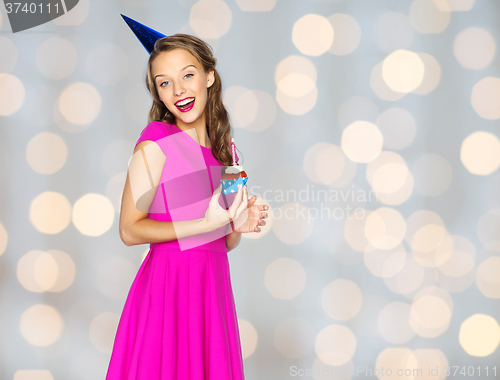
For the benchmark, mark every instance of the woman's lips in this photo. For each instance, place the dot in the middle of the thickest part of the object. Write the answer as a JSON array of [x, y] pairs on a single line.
[[187, 109]]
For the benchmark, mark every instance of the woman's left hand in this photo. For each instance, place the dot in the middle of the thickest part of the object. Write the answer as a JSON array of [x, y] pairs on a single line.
[[250, 219]]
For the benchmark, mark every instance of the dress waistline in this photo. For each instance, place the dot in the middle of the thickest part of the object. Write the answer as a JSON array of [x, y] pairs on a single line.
[[176, 249]]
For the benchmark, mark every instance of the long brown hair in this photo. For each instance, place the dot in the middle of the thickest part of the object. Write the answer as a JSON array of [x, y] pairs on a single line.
[[217, 117]]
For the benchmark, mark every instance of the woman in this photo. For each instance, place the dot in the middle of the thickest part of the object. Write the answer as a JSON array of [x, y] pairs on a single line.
[[179, 320]]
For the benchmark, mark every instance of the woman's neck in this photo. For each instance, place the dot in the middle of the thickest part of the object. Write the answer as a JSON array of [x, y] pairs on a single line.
[[197, 130]]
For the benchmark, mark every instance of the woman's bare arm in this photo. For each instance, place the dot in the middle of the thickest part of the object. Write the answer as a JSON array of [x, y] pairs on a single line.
[[143, 178], [233, 238]]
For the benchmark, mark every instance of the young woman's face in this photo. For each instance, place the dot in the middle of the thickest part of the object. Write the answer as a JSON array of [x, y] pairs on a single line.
[[180, 78]]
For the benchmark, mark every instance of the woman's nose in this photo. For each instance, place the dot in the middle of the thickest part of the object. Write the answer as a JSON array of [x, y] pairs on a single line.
[[178, 90]]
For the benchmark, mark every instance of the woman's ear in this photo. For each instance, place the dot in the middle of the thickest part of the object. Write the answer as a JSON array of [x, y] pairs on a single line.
[[210, 78]]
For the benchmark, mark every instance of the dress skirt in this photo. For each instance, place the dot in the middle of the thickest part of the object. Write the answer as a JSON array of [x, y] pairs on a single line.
[[179, 320]]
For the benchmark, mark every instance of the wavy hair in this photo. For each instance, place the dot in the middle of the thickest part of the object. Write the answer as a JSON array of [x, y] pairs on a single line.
[[217, 117]]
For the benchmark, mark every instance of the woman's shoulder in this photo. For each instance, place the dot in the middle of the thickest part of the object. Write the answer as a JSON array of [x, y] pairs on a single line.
[[154, 131]]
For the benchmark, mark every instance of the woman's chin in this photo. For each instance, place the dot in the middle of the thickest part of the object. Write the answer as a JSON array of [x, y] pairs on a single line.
[[188, 119]]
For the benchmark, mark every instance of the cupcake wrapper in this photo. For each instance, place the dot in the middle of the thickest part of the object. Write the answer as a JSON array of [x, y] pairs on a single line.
[[231, 186]]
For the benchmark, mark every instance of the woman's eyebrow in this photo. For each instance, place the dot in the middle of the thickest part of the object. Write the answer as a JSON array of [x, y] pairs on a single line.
[[184, 68]]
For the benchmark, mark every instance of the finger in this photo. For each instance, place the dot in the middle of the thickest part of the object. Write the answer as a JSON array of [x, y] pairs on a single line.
[[236, 202], [237, 195], [214, 202], [245, 196], [241, 207], [217, 193], [252, 200], [229, 216], [241, 195]]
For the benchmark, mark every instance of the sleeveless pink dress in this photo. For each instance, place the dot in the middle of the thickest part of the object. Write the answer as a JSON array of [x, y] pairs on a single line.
[[179, 319]]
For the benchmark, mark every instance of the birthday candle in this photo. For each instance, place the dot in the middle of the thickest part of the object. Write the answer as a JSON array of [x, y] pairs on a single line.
[[232, 149]]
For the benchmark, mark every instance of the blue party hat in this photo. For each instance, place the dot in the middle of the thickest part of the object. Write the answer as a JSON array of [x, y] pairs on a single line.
[[146, 35]]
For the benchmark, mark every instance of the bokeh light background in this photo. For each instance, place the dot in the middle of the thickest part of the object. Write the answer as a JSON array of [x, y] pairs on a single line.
[[387, 108]]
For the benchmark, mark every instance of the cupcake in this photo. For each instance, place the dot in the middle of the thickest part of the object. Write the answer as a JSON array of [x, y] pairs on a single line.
[[233, 176]]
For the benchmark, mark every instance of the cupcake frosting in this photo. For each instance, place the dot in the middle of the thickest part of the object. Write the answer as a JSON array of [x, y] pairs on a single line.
[[234, 169]]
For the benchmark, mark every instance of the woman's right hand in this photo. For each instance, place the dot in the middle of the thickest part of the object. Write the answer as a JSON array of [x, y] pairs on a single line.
[[216, 216]]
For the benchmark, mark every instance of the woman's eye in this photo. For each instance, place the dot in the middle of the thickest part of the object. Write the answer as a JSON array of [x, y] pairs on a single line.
[[161, 84]]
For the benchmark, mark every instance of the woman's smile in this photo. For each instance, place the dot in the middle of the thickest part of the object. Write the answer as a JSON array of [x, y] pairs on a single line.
[[185, 104]]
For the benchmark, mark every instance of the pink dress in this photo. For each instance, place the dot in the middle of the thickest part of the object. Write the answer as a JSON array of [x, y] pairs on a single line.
[[179, 319]]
